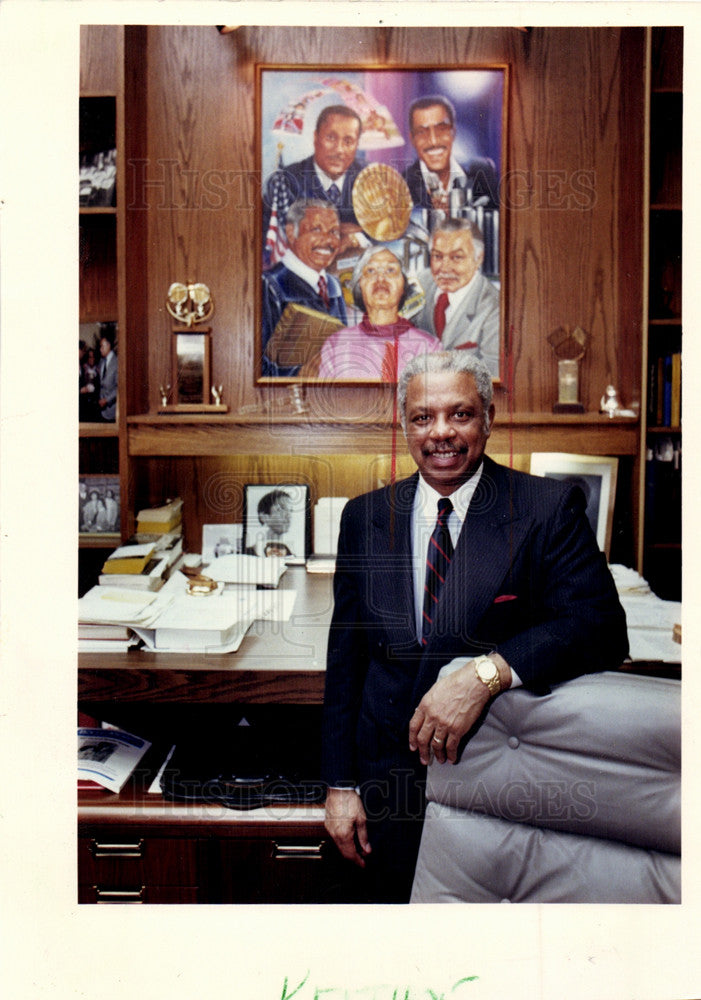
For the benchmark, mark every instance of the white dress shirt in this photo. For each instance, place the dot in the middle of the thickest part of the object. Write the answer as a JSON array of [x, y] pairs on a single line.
[[423, 521]]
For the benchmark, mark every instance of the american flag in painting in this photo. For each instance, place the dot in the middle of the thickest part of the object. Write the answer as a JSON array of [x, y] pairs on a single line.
[[274, 242]]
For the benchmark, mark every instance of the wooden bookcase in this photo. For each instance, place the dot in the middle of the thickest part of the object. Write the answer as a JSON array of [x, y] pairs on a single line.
[[661, 419]]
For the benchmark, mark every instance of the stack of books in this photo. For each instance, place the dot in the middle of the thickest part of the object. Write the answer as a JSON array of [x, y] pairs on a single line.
[[161, 520], [147, 559]]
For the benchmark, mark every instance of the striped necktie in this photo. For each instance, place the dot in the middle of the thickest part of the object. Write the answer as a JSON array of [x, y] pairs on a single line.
[[323, 291], [440, 552]]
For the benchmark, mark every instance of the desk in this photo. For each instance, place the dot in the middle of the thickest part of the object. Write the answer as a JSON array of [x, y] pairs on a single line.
[[281, 662], [136, 847]]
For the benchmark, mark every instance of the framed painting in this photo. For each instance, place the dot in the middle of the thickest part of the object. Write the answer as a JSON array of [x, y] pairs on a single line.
[[277, 521], [596, 475], [380, 192]]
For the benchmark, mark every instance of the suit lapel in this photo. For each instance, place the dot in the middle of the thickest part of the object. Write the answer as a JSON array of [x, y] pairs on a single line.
[[392, 560]]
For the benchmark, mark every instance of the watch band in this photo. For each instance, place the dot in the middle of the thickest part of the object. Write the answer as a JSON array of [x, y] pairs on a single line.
[[493, 683]]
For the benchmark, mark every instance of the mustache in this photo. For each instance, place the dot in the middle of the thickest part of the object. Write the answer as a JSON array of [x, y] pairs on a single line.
[[443, 448]]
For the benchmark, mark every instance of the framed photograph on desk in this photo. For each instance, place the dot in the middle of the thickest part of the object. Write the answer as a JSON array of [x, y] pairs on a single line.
[[596, 475], [276, 521]]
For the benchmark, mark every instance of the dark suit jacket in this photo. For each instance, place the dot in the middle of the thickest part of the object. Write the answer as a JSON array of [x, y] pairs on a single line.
[[302, 181], [527, 579], [280, 286], [481, 175]]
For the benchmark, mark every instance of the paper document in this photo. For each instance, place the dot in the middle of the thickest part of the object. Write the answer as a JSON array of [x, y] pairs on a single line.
[[248, 570]]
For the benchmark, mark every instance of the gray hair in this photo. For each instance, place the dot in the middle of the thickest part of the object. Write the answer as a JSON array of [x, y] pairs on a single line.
[[361, 263], [446, 361], [461, 226], [298, 209]]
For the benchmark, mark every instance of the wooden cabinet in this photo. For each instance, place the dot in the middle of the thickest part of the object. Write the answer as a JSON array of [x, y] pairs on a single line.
[[118, 865], [662, 438]]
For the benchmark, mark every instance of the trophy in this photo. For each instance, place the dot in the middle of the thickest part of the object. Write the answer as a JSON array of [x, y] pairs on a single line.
[[190, 305], [569, 347]]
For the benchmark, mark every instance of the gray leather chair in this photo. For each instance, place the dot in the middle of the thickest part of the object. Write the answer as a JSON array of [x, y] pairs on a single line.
[[569, 797]]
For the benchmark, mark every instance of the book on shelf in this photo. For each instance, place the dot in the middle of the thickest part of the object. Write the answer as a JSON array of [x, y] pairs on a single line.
[[128, 559], [664, 390], [108, 757], [160, 520]]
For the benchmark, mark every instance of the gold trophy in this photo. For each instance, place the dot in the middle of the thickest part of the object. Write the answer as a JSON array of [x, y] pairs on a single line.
[[569, 347], [190, 305]]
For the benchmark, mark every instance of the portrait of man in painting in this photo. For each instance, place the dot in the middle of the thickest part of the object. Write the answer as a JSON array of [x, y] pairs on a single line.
[[354, 161]]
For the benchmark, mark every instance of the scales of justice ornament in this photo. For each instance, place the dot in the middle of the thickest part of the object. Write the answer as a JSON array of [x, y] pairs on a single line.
[[569, 347], [190, 305]]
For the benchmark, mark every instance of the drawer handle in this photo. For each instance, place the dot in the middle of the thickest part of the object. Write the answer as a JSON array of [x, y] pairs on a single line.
[[99, 850], [304, 852], [119, 895]]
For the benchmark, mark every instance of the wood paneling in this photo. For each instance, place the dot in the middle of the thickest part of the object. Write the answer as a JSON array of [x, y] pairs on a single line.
[[573, 223], [573, 192], [100, 58]]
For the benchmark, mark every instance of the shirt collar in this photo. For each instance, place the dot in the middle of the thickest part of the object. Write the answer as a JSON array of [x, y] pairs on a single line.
[[427, 498], [454, 298], [327, 181], [303, 271]]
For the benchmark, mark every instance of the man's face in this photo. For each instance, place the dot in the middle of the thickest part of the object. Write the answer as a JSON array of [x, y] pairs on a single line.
[[319, 238], [382, 282], [280, 517], [104, 347], [432, 136], [336, 143], [453, 260], [446, 429]]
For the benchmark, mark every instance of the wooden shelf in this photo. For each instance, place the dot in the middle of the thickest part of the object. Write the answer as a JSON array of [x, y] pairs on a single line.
[[92, 430], [107, 541], [153, 435]]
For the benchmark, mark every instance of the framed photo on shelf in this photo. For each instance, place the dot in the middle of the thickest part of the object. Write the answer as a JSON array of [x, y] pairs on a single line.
[[358, 163], [596, 475], [98, 372], [99, 505], [277, 521]]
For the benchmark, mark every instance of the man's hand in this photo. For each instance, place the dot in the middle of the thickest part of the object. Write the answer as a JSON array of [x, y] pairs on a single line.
[[346, 822], [449, 709]]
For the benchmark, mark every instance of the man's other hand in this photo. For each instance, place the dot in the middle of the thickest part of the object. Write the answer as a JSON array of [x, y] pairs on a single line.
[[345, 820]]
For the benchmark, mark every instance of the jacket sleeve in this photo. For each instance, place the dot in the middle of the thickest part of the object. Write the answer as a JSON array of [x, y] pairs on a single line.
[[347, 663], [580, 626]]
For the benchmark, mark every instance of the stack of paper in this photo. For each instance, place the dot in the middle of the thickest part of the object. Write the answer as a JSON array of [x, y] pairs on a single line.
[[252, 571], [216, 623]]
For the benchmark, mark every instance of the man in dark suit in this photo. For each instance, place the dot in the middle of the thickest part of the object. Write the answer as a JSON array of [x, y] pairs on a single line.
[[527, 599], [329, 173], [313, 239], [436, 171], [108, 373]]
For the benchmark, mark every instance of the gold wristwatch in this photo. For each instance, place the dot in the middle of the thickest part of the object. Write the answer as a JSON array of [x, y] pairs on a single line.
[[488, 673]]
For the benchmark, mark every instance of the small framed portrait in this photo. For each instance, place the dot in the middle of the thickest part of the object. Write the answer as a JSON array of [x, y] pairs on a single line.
[[99, 507], [596, 475], [277, 521], [221, 540], [380, 232]]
